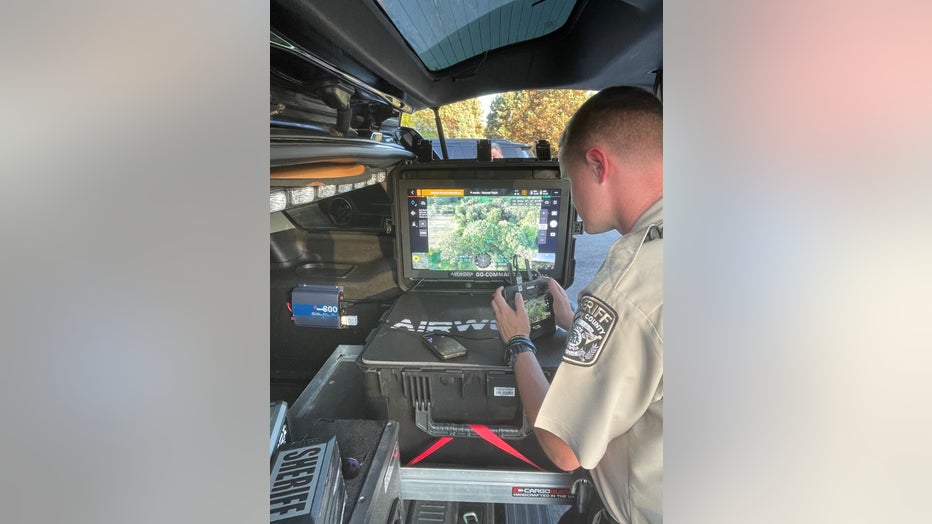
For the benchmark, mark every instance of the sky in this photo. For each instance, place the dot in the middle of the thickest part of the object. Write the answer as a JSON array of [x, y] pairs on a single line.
[[486, 102]]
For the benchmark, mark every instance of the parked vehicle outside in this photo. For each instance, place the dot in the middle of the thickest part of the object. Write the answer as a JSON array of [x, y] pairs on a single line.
[[465, 148]]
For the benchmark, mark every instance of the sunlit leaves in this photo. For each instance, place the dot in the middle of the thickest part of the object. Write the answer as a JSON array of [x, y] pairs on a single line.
[[528, 116]]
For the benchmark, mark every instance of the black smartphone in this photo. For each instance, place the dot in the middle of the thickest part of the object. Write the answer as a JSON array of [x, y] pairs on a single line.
[[446, 347]]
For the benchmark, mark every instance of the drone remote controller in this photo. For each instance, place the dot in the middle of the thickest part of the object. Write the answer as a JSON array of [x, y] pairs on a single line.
[[538, 302]]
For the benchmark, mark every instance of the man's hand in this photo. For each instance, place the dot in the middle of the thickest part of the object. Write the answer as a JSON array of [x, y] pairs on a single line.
[[562, 310], [510, 322], [532, 384]]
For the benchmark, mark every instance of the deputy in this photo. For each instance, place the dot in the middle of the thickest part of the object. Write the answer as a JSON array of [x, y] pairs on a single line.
[[604, 409]]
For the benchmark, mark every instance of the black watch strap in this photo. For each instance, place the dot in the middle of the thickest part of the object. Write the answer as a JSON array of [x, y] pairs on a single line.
[[514, 349]]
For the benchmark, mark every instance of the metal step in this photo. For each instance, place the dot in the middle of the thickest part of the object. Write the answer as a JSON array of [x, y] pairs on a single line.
[[533, 513], [437, 512], [430, 512], [485, 485]]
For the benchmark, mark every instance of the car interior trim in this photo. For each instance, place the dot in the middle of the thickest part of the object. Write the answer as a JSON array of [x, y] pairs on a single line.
[[281, 42]]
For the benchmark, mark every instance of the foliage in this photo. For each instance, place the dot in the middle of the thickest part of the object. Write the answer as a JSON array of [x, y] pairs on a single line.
[[536, 309], [485, 225], [521, 116], [460, 120], [528, 116]]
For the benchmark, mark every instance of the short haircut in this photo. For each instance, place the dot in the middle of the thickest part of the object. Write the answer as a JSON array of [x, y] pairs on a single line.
[[495, 145], [630, 119]]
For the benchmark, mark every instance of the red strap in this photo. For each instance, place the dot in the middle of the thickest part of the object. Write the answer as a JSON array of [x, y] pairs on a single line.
[[490, 437], [483, 431], [437, 445]]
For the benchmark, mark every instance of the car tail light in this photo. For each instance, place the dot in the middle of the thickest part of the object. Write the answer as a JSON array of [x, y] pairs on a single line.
[[301, 195], [277, 201]]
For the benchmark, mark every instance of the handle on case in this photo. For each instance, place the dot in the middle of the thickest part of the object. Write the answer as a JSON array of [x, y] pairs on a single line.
[[425, 421]]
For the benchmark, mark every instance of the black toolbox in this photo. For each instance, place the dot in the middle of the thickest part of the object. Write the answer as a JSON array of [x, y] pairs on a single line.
[[459, 226], [306, 485], [278, 426], [371, 468]]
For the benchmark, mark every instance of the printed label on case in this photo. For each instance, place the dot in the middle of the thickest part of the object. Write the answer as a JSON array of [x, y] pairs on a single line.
[[503, 392]]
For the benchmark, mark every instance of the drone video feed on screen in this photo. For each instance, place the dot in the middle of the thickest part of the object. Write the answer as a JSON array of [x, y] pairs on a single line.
[[483, 229], [538, 309]]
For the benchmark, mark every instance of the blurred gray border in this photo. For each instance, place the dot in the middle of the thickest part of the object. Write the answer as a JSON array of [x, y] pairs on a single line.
[[134, 220]]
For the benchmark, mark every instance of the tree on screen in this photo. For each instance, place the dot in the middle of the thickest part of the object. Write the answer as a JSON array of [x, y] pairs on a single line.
[[480, 225], [536, 309]]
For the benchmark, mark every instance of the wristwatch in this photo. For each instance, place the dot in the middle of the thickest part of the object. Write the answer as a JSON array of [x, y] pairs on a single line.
[[514, 349]]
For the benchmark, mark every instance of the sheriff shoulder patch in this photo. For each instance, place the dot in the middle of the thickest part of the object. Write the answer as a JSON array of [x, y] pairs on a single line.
[[591, 327]]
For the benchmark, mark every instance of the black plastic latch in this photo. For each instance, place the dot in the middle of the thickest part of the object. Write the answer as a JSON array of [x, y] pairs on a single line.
[[543, 149], [582, 488], [424, 151], [484, 150]]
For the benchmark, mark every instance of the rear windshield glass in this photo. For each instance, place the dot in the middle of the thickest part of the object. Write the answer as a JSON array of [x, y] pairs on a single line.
[[447, 33], [514, 121]]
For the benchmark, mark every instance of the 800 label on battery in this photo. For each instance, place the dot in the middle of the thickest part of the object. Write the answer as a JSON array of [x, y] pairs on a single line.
[[322, 310]]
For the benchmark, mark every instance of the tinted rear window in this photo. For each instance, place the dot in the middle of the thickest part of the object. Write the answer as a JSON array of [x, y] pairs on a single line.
[[447, 33]]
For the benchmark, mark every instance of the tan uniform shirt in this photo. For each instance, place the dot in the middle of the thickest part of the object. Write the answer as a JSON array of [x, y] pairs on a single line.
[[606, 399]]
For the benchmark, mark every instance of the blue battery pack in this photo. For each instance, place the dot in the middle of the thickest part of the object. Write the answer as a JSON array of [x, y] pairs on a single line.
[[316, 306]]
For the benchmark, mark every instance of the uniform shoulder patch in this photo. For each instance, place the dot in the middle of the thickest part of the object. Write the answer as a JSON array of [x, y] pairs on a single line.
[[590, 330]]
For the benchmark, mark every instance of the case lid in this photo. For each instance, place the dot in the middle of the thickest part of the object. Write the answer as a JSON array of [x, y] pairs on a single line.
[[466, 317]]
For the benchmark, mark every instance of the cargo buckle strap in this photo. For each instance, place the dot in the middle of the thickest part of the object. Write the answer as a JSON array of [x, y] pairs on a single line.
[[486, 434]]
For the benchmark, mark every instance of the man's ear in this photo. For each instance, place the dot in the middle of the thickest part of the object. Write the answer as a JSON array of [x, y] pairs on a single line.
[[597, 161]]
